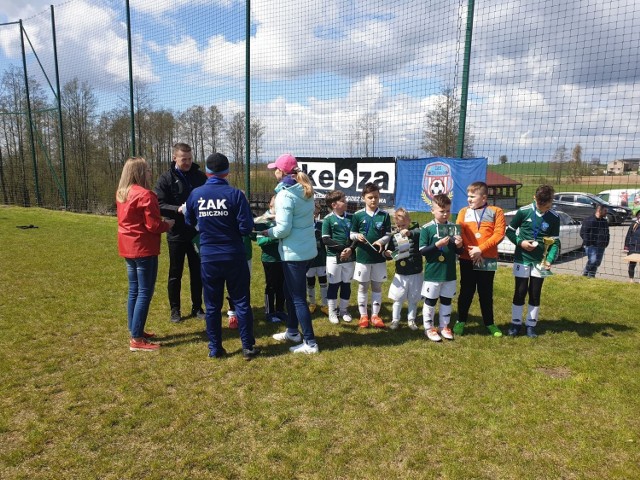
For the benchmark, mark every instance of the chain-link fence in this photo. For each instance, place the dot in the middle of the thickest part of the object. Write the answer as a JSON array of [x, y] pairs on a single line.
[[552, 91]]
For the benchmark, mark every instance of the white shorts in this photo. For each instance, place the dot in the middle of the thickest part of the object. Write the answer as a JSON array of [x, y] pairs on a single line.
[[435, 290], [525, 271], [374, 272], [405, 287], [339, 272], [316, 272]]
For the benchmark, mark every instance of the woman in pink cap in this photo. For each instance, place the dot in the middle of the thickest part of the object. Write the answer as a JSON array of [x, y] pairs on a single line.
[[294, 228]]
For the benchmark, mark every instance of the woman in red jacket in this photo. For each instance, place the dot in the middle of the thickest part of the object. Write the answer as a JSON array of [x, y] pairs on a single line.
[[139, 228]]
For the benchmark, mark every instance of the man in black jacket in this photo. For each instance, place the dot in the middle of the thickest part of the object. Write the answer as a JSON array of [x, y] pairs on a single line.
[[173, 189], [595, 237]]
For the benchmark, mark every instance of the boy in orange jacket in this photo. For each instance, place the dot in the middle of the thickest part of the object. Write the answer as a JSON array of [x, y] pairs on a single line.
[[483, 228]]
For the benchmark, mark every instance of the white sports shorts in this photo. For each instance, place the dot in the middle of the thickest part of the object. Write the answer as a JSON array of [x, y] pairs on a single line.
[[374, 272], [339, 272], [434, 290], [405, 287]]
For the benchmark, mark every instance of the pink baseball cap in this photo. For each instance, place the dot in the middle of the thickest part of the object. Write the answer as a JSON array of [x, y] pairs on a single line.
[[286, 163]]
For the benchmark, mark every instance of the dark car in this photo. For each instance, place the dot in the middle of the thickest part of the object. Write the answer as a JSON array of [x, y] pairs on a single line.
[[582, 205]]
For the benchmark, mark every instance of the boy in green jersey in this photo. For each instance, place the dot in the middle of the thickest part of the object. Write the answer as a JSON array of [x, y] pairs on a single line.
[[371, 227], [336, 231], [439, 250], [535, 231]]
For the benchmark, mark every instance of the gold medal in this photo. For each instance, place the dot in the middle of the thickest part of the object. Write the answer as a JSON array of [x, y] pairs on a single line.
[[478, 234], [403, 263], [534, 244], [441, 258]]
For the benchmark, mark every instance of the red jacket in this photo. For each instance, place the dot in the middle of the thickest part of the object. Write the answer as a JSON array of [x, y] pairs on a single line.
[[140, 224]]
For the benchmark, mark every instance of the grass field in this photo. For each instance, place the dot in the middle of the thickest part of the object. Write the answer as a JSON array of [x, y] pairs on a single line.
[[75, 403]]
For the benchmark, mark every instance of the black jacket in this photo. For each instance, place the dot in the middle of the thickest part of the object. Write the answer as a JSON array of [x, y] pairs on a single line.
[[173, 189], [595, 232], [632, 239]]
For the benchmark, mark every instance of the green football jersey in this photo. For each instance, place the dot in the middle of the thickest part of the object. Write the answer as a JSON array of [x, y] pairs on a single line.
[[530, 224], [338, 229], [440, 264], [373, 227]]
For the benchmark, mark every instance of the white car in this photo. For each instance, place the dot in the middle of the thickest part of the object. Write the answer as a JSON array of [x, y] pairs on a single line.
[[569, 234]]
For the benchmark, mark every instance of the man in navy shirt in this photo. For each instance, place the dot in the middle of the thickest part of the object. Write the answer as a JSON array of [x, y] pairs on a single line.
[[595, 236], [222, 215]]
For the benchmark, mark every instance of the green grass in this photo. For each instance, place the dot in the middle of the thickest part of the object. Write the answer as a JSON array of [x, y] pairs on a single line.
[[75, 403]]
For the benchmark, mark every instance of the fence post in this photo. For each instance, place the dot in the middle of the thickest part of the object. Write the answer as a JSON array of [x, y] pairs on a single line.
[[465, 81], [247, 101], [30, 118], [65, 196], [131, 111]]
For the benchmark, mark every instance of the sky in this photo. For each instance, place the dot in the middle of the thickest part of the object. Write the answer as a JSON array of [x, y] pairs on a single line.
[[543, 73]]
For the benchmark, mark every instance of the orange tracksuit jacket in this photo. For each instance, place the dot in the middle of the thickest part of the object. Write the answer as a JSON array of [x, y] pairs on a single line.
[[492, 228]]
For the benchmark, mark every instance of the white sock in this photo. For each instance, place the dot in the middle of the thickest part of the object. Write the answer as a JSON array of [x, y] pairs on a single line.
[[331, 304], [311, 294], [363, 297], [444, 317], [428, 312], [532, 316], [376, 302], [413, 312], [344, 304], [395, 311], [516, 314], [323, 293]]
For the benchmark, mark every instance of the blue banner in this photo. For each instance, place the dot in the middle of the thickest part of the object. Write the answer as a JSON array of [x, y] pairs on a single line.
[[419, 180]]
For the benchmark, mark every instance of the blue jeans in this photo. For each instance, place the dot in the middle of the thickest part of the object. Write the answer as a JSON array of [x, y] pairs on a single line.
[[142, 273], [235, 273], [295, 280], [594, 259]]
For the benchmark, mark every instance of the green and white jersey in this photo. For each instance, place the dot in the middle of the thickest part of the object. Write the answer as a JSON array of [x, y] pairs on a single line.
[[373, 227], [440, 264], [338, 229], [530, 224]]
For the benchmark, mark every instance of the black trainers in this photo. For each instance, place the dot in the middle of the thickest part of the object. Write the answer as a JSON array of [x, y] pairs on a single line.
[[250, 354], [514, 329], [175, 316], [220, 353], [198, 313]]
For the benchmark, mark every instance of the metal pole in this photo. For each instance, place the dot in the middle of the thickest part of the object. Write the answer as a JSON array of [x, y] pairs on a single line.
[[465, 81], [59, 98], [33, 147], [131, 111], [247, 101]]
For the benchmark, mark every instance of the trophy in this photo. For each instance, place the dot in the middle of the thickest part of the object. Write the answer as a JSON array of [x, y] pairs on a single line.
[[544, 265]]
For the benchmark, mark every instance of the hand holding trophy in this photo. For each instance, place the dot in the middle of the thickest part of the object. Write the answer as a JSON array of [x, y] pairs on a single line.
[[544, 265]]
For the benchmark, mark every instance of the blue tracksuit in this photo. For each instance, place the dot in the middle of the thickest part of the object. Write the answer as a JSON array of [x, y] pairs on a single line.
[[223, 216]]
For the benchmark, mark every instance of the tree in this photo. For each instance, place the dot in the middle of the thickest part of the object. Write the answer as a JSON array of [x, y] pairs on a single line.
[[235, 139], [255, 136], [441, 133], [575, 166], [558, 160], [503, 159], [214, 121]]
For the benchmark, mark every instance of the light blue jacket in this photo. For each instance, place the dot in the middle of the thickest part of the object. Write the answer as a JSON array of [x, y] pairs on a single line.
[[295, 225]]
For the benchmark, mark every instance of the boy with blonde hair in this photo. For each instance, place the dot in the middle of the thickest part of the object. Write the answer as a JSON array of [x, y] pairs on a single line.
[[407, 281]]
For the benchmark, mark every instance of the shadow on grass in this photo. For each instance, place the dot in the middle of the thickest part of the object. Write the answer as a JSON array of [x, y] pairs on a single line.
[[582, 329]]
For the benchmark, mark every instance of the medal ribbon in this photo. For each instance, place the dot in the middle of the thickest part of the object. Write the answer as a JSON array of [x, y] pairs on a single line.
[[481, 215]]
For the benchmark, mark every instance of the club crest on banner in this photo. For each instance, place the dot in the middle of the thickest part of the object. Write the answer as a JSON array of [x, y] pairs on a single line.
[[436, 180]]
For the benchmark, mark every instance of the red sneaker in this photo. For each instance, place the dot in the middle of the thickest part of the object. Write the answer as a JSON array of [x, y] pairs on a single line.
[[142, 346], [376, 321], [364, 321], [233, 322], [148, 334]]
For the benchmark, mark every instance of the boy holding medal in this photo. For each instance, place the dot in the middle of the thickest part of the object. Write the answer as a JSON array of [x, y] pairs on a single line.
[[336, 229], [371, 227], [407, 281], [534, 230], [482, 229], [439, 245]]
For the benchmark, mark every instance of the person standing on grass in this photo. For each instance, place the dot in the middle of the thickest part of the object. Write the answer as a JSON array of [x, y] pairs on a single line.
[[295, 228], [336, 229], [139, 229], [439, 250], [222, 215], [371, 228], [482, 228], [173, 189], [632, 244], [595, 236], [531, 224]]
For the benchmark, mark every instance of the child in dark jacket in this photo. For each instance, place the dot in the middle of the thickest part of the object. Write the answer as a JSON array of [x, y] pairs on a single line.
[[632, 244]]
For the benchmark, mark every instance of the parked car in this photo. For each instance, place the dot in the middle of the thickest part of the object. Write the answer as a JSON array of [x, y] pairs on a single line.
[[582, 205], [623, 197], [569, 235]]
